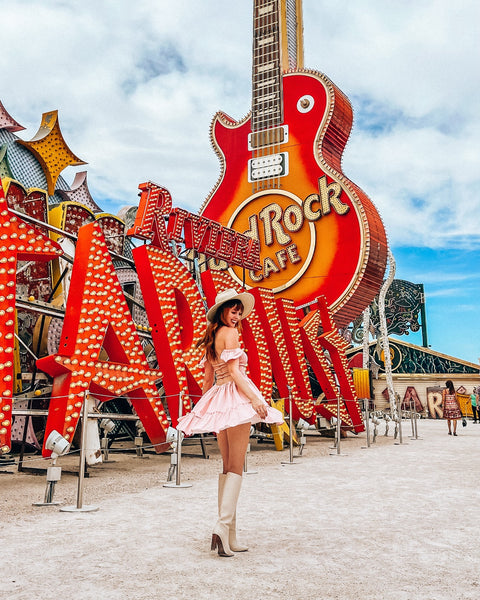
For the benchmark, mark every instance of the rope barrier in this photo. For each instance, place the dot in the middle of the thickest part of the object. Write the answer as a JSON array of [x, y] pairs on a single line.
[[53, 472], [133, 417]]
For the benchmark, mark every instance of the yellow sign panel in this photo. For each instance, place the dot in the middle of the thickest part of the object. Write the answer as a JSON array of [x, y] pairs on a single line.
[[361, 381]]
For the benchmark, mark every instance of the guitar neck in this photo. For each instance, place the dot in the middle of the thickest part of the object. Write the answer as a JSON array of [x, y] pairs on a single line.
[[277, 46], [267, 105]]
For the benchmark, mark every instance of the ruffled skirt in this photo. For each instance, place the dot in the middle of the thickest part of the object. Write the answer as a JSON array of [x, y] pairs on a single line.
[[225, 406]]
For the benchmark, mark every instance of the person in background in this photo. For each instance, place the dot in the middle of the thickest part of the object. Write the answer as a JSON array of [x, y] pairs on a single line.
[[451, 407], [229, 406], [475, 407]]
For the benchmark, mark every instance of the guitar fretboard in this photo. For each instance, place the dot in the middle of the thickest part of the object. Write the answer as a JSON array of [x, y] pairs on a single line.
[[267, 103]]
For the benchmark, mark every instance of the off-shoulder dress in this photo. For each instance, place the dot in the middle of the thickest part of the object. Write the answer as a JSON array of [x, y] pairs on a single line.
[[224, 405]]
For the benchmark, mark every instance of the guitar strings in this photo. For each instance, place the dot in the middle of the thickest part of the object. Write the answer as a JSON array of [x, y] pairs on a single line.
[[267, 94]]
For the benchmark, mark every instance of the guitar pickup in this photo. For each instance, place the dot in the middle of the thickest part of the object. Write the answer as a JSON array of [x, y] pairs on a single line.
[[268, 137], [265, 167]]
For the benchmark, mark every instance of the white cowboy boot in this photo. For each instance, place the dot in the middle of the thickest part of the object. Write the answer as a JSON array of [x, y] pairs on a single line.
[[232, 537], [228, 505]]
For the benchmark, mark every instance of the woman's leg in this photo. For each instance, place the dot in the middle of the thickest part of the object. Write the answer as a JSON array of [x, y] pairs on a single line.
[[455, 426], [222, 441], [449, 423], [233, 445], [237, 442]]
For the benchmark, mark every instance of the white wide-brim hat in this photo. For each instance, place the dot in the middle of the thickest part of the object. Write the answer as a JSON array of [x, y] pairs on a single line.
[[245, 298]]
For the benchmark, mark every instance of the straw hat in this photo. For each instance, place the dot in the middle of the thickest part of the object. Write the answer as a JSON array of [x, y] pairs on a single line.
[[245, 298]]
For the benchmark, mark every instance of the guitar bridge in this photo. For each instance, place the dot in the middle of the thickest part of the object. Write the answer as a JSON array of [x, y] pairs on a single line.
[[265, 167]]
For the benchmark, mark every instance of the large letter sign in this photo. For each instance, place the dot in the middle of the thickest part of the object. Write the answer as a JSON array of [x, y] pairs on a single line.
[[314, 346], [18, 241], [100, 352], [177, 317], [97, 317]]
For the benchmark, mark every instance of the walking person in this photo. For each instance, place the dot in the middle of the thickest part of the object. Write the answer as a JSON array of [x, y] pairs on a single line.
[[229, 406], [451, 407], [475, 407]]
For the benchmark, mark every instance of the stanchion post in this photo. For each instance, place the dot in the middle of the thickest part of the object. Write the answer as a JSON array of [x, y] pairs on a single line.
[[81, 470], [399, 416], [415, 424], [339, 424], [366, 407], [338, 430], [178, 464], [290, 421], [245, 465], [411, 420]]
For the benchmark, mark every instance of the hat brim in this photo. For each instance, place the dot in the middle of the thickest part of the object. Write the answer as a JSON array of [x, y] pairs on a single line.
[[247, 300]]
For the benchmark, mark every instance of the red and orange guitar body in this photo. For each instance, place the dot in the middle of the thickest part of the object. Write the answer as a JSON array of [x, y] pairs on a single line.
[[319, 233]]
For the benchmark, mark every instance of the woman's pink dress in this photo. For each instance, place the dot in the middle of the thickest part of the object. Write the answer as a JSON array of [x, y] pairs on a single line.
[[224, 405]]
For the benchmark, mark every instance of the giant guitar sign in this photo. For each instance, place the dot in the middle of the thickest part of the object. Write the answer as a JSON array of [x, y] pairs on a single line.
[[281, 180]]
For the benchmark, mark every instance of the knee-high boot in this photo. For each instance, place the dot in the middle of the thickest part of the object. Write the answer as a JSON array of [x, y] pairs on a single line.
[[234, 544], [228, 505]]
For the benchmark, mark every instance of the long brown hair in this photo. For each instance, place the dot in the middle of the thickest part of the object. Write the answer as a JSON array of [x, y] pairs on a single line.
[[208, 340], [449, 385]]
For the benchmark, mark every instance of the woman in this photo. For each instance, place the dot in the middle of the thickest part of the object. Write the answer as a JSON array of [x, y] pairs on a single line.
[[475, 407], [451, 408], [230, 404]]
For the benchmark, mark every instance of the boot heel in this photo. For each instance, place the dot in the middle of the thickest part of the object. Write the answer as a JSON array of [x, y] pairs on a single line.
[[217, 543]]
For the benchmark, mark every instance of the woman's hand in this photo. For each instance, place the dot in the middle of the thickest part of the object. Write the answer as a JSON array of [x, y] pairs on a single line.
[[260, 408]]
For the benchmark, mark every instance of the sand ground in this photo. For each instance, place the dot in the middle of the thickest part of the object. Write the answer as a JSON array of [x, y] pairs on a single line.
[[388, 522]]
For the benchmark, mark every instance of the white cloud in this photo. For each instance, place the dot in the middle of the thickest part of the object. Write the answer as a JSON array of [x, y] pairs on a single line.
[[137, 87]]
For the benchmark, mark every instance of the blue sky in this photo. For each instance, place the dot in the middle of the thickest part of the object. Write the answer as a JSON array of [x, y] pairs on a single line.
[[137, 85]]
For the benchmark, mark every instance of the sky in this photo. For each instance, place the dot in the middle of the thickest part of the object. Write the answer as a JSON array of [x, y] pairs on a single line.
[[137, 85]]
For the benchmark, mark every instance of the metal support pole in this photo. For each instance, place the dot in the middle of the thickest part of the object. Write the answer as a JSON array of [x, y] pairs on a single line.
[[291, 428], [338, 431], [367, 420], [399, 417], [178, 452], [303, 442], [81, 471], [53, 475], [173, 462], [139, 447], [387, 424], [104, 448], [411, 421], [245, 465], [415, 425]]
